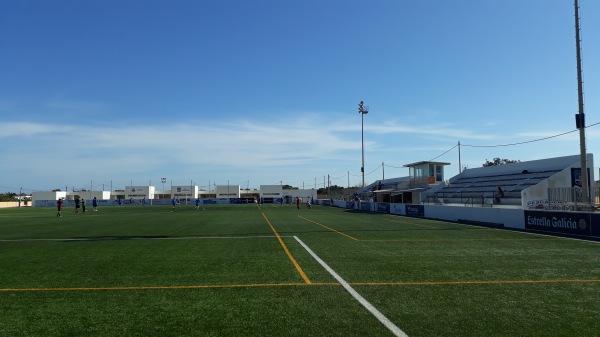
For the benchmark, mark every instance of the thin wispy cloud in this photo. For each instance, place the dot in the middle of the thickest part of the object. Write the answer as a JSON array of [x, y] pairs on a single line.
[[439, 130]]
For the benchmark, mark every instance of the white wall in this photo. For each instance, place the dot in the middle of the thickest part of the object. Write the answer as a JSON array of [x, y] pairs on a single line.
[[186, 191], [140, 192], [45, 195], [89, 195], [509, 217], [271, 191], [228, 191]]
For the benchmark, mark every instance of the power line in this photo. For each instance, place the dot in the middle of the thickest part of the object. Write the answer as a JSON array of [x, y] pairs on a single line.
[[444, 153], [529, 141], [374, 170], [520, 143], [344, 176]]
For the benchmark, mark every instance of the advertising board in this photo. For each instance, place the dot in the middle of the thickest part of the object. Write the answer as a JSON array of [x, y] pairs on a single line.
[[558, 222], [415, 210]]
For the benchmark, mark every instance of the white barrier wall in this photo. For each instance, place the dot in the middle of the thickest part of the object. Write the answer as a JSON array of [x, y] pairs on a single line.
[[509, 217]]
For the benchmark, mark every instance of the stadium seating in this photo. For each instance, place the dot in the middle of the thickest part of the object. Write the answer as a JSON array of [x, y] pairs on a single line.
[[462, 189]]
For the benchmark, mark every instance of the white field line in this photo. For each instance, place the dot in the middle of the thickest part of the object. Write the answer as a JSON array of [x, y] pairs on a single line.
[[124, 238], [388, 324]]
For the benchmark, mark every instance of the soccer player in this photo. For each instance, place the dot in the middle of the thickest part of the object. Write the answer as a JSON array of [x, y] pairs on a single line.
[[77, 204], [59, 204], [197, 203], [82, 205], [95, 204]]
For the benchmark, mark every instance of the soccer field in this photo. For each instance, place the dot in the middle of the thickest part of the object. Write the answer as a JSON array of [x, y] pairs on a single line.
[[245, 270]]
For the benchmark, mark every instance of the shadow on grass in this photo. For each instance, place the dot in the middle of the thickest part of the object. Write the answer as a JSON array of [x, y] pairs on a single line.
[[161, 237], [118, 238]]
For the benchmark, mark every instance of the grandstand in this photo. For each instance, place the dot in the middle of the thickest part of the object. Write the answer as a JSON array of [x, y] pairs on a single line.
[[525, 184]]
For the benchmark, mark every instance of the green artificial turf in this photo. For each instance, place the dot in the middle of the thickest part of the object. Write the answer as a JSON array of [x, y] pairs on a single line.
[[240, 270]]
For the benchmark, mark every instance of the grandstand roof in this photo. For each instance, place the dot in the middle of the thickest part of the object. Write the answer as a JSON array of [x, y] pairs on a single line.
[[426, 162], [557, 163]]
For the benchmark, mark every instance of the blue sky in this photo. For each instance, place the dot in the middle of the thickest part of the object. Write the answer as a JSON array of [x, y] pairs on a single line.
[[113, 93]]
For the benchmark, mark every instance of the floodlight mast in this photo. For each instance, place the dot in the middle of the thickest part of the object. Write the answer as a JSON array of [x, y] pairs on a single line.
[[580, 117], [363, 110]]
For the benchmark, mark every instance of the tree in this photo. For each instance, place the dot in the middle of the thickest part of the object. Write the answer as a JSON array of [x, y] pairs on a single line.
[[288, 187], [333, 189], [9, 196], [498, 161]]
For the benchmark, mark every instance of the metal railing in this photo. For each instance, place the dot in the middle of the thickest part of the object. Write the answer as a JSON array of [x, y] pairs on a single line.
[[570, 198]]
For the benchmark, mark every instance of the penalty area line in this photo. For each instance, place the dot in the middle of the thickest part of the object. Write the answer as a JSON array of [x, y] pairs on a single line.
[[381, 317]]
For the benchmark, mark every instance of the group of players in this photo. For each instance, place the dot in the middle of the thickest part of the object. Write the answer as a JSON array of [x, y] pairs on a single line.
[[299, 201], [79, 204]]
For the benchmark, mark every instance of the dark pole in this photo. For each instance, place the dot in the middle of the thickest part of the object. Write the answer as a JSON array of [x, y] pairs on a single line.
[[581, 116], [363, 110]]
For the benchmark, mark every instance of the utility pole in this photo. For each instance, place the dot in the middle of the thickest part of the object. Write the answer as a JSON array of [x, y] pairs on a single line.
[[459, 163], [580, 117], [363, 110]]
